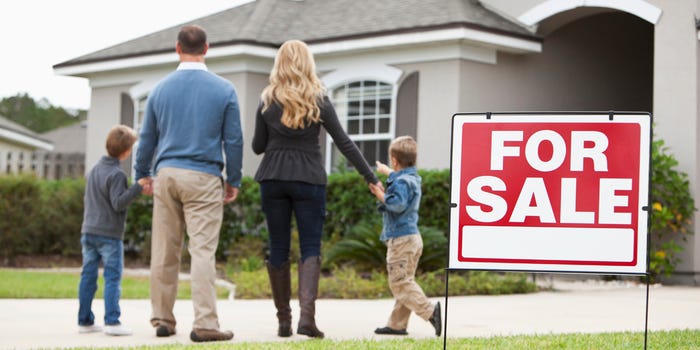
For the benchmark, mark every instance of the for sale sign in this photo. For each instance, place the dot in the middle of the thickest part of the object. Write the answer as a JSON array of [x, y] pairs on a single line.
[[550, 192]]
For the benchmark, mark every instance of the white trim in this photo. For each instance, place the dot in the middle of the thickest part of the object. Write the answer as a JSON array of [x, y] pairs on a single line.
[[698, 34], [503, 42], [376, 72], [25, 140], [639, 8], [379, 72], [143, 88], [163, 58], [475, 37]]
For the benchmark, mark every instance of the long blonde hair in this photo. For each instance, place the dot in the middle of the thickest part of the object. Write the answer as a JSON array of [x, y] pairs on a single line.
[[295, 86]]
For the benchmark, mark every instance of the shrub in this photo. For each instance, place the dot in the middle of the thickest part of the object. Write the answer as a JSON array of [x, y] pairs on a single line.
[[62, 215], [347, 283], [363, 249], [672, 211], [20, 199]]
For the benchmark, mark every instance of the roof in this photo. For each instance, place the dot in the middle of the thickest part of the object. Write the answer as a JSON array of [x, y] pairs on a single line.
[[68, 139], [269, 23], [16, 133]]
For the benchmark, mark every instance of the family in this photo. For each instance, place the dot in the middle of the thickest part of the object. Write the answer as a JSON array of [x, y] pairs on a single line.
[[191, 134]]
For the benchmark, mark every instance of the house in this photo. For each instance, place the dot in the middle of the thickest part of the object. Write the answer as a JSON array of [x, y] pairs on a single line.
[[398, 67], [68, 155], [17, 145]]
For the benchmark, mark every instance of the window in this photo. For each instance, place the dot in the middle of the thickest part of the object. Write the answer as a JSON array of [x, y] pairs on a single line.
[[365, 110]]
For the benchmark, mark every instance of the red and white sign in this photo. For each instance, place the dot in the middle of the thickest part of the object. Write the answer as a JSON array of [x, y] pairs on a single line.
[[546, 192]]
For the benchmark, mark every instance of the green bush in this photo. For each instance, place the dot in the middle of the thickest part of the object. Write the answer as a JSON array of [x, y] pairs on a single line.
[[44, 217], [363, 249], [62, 215], [20, 204], [672, 211], [347, 283]]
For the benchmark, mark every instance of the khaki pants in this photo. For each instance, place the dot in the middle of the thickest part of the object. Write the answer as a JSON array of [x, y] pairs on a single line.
[[402, 258], [191, 201]]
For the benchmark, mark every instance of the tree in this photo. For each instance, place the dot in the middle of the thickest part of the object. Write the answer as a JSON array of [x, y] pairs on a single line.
[[38, 116]]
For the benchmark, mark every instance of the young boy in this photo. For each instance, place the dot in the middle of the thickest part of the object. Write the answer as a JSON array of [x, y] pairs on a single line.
[[106, 199], [400, 233]]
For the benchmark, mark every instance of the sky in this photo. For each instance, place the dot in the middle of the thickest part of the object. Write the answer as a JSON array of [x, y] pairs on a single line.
[[38, 34]]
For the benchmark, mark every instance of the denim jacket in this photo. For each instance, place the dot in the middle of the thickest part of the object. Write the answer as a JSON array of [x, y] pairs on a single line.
[[401, 203]]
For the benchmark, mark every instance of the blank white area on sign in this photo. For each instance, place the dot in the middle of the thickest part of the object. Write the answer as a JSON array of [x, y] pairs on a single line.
[[548, 243]]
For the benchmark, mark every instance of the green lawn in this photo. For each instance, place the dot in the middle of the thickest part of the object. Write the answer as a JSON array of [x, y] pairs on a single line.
[[662, 340], [24, 284]]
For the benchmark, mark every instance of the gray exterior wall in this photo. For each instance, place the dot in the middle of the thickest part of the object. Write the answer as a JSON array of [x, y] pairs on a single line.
[[592, 75], [248, 86], [438, 100], [105, 107], [676, 105]]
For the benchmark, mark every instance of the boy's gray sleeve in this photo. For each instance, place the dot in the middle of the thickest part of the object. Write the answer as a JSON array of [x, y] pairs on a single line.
[[120, 195]]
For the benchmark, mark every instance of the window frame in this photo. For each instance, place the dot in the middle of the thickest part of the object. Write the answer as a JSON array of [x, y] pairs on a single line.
[[343, 78]]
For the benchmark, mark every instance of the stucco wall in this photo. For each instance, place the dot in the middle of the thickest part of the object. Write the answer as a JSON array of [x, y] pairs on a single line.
[[676, 103], [13, 147], [248, 86], [438, 95], [576, 71], [105, 106]]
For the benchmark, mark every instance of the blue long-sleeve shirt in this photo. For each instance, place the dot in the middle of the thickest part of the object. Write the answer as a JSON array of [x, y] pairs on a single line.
[[191, 116], [401, 204]]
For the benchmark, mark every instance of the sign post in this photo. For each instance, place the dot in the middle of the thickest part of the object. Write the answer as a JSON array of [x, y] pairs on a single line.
[[550, 192]]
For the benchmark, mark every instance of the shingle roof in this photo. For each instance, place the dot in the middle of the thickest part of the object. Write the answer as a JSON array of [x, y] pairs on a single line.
[[7, 124], [17, 129], [271, 22]]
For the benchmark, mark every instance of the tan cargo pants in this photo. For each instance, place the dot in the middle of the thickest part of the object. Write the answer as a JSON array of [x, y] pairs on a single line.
[[402, 258], [191, 201]]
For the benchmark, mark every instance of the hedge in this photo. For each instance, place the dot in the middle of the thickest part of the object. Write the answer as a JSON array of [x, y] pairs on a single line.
[[41, 217]]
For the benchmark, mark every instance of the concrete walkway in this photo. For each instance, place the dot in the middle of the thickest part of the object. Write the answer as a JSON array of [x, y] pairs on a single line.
[[588, 307]]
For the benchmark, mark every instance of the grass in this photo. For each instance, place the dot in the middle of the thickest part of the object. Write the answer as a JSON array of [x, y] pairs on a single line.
[[344, 284], [661, 340], [23, 284]]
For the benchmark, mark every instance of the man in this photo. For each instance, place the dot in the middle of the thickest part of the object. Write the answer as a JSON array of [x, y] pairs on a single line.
[[191, 115]]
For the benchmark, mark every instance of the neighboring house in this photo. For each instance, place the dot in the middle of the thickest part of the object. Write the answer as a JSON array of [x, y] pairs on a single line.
[[397, 67], [17, 147], [69, 150]]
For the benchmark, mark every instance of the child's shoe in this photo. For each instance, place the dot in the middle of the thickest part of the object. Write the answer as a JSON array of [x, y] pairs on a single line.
[[89, 329], [117, 329]]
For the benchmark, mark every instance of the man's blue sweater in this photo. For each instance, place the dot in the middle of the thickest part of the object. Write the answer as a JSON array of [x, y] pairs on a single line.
[[190, 116]]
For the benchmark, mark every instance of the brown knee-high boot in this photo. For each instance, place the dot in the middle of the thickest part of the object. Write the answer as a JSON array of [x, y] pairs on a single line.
[[309, 273], [281, 284]]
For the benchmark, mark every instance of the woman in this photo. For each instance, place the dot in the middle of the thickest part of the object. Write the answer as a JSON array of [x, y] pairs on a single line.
[[292, 178]]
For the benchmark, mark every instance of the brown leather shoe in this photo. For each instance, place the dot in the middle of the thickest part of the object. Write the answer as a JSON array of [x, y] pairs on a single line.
[[201, 334], [164, 331]]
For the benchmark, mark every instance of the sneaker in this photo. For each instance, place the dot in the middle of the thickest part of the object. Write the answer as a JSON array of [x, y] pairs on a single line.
[[201, 334], [436, 319], [117, 329], [89, 329], [391, 331], [164, 331]]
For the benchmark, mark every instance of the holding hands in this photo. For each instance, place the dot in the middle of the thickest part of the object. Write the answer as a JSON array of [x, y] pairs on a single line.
[[147, 184], [377, 189], [230, 193]]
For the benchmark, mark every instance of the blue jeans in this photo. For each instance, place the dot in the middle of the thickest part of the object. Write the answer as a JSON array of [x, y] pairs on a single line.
[[308, 202], [111, 252]]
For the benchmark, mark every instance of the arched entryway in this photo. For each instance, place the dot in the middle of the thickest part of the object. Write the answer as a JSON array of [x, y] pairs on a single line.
[[597, 59]]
